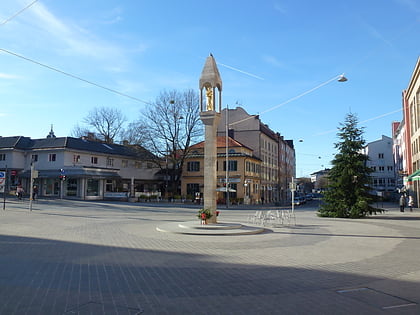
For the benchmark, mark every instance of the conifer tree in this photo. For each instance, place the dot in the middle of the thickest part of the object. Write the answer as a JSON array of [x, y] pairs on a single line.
[[349, 178]]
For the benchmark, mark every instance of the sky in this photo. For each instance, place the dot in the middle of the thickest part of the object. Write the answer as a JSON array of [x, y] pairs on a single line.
[[277, 58]]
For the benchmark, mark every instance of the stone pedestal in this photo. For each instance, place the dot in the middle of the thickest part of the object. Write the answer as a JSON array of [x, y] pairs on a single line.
[[210, 120]]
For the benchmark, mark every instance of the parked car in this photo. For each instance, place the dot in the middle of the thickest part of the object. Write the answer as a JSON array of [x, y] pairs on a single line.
[[309, 197], [299, 201]]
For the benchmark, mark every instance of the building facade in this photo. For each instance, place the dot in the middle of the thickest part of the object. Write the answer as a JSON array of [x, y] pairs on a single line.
[[79, 168], [381, 161], [400, 153], [277, 155], [236, 164], [411, 111]]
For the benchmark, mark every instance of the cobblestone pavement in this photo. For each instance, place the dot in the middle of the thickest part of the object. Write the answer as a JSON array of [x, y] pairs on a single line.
[[76, 257]]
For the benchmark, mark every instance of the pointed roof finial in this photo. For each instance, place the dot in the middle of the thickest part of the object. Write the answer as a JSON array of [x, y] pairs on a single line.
[[51, 134], [210, 74]]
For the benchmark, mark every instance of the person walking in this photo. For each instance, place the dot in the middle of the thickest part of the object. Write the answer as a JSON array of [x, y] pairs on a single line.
[[35, 193], [19, 192], [410, 203], [402, 203]]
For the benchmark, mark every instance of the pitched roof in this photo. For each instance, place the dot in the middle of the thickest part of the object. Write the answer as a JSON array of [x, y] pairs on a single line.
[[221, 143], [17, 142], [26, 143]]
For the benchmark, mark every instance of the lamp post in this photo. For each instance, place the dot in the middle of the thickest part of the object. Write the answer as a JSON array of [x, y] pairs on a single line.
[[227, 156]]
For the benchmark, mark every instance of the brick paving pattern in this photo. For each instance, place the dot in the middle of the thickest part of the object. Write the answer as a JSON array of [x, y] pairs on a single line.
[[75, 257]]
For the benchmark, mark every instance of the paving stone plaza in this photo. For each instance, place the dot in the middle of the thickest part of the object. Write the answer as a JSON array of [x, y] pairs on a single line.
[[75, 257]]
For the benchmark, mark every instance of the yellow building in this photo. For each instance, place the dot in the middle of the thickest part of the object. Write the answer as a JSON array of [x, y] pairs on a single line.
[[243, 172]]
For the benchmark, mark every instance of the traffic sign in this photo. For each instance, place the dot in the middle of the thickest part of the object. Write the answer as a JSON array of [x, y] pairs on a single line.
[[2, 178]]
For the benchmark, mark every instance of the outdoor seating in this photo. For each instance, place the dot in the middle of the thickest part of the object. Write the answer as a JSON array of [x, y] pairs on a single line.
[[271, 217]]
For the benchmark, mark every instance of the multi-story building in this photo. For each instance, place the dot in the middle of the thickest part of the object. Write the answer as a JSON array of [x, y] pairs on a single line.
[[91, 169], [411, 110], [406, 137], [276, 154], [400, 153], [381, 161], [320, 179], [236, 164]]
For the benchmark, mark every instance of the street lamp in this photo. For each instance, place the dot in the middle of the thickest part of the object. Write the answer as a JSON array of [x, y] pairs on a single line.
[[342, 78]]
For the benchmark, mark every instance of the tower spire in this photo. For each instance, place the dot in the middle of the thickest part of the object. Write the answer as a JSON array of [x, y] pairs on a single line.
[[51, 134], [211, 81]]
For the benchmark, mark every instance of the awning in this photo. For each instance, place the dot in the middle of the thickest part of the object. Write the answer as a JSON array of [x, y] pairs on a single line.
[[224, 189], [414, 176], [74, 173]]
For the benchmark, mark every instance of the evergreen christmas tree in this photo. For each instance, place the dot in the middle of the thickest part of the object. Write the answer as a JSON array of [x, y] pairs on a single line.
[[349, 178]]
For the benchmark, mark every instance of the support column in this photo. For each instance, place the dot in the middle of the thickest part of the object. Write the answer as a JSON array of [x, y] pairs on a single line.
[[210, 120]]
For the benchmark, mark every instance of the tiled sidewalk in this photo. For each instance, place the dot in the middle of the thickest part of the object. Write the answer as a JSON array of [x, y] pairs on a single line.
[[74, 257]]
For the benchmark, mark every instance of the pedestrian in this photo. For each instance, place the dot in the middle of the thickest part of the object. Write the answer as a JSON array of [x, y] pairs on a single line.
[[410, 203], [19, 192], [402, 203], [35, 193]]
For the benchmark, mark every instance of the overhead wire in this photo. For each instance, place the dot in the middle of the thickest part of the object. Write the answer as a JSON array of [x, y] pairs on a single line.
[[19, 12], [74, 76], [58, 70]]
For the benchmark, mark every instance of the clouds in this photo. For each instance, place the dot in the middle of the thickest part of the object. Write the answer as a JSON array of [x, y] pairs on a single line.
[[9, 76], [272, 61], [73, 39]]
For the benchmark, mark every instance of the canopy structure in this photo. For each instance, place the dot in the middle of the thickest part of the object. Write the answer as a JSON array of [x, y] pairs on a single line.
[[224, 189], [414, 176]]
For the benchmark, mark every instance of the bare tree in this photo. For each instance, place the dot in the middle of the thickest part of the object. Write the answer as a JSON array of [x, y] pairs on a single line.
[[170, 125], [80, 131], [135, 134], [107, 122]]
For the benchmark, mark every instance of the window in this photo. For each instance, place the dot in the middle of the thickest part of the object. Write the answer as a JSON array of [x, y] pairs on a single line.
[[124, 163], [52, 157], [390, 168], [381, 168], [233, 165], [380, 155], [193, 166], [92, 187], [109, 185], [192, 189], [76, 158], [94, 160], [2, 157], [34, 158], [137, 164], [109, 162]]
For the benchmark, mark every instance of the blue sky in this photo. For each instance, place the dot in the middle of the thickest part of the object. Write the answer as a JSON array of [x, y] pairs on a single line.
[[275, 59]]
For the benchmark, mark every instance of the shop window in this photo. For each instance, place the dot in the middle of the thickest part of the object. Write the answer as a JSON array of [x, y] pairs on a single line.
[[192, 189], [71, 187], [92, 187]]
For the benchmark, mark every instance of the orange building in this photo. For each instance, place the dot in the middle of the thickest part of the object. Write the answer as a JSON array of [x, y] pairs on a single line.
[[243, 172]]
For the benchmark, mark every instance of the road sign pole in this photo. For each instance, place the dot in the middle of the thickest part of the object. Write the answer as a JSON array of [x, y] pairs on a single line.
[[4, 190]]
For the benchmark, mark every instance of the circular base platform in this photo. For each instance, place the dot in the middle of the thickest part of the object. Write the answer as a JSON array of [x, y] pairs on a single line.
[[196, 228]]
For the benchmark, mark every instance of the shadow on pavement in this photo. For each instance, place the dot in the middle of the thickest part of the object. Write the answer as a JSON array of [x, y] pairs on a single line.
[[45, 276]]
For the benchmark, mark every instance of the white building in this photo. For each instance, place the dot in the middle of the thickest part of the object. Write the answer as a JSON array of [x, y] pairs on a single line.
[[381, 161], [92, 170]]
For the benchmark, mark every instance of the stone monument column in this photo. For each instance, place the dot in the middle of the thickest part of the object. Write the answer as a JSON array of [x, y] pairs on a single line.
[[210, 107]]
